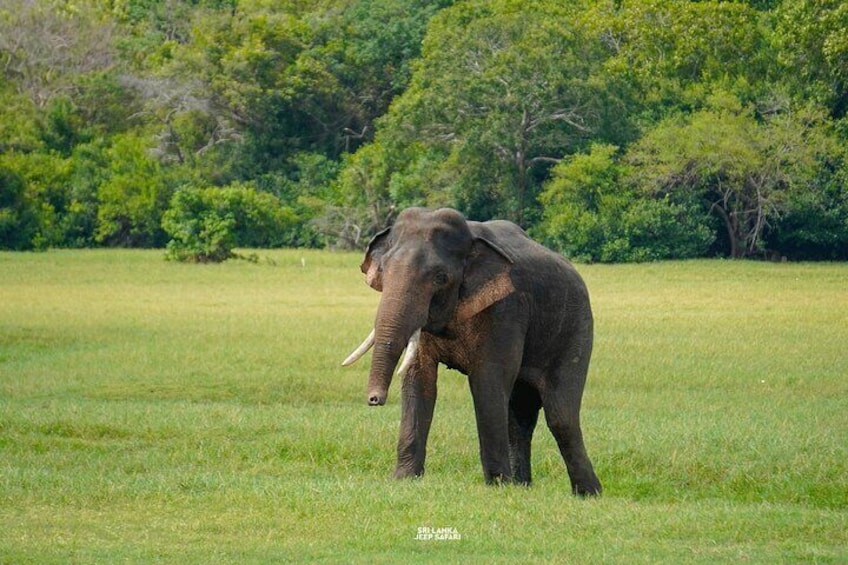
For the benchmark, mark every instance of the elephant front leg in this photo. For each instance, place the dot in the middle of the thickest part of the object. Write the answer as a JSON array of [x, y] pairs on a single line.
[[524, 405], [418, 402], [491, 400]]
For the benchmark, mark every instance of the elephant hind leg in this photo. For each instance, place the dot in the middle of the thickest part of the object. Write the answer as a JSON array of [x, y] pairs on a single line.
[[569, 438], [562, 413], [563, 419], [524, 405]]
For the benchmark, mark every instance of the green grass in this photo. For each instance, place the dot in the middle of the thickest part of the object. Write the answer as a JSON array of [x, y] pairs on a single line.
[[159, 412]]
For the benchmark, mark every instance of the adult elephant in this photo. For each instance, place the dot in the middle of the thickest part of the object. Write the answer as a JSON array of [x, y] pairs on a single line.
[[487, 300]]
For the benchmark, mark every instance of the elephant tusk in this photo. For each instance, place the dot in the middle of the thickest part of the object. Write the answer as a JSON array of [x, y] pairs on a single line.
[[360, 351], [411, 352]]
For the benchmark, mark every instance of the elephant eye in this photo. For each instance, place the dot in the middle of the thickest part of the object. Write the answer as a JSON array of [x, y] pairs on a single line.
[[440, 279]]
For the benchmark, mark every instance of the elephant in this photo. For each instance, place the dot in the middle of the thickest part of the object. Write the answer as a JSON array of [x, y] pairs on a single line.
[[485, 299]]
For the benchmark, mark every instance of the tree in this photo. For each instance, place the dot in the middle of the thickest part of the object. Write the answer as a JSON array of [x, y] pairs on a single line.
[[366, 205], [500, 94], [743, 169], [593, 212], [369, 48], [206, 224], [19, 129], [133, 195], [46, 46], [347, 111], [815, 225], [46, 198], [672, 52], [813, 47], [18, 222]]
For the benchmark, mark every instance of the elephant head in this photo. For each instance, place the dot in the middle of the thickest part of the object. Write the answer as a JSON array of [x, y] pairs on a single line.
[[432, 270]]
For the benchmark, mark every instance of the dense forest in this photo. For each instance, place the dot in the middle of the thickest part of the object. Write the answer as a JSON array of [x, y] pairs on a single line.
[[612, 130]]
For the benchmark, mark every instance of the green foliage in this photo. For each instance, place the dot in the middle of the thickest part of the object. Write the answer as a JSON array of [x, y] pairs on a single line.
[[592, 214], [18, 121], [812, 44], [45, 199], [199, 233], [382, 39], [365, 183], [815, 225], [61, 128], [46, 47], [743, 170], [18, 222], [350, 110], [672, 49], [133, 195], [206, 224], [501, 90]]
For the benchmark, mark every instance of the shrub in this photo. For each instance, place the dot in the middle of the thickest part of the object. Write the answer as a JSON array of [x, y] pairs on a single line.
[[132, 196], [592, 213], [206, 224], [18, 223]]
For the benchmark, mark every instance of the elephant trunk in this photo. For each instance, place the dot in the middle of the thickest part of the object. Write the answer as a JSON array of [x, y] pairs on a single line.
[[398, 326]]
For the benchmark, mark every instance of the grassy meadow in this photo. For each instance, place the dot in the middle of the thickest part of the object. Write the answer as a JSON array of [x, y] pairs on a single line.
[[160, 412]]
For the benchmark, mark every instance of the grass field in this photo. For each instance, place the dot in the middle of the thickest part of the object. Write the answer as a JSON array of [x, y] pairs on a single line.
[[160, 412]]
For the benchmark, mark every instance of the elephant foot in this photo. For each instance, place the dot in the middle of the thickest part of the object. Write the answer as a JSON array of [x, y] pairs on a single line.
[[499, 479], [521, 477], [589, 487], [408, 473]]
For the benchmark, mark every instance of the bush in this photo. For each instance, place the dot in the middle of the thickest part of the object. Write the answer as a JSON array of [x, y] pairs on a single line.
[[132, 196], [660, 229], [816, 224], [206, 224], [36, 198], [18, 224], [593, 214]]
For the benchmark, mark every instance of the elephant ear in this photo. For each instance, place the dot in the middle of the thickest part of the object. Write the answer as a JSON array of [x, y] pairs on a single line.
[[373, 255], [486, 279]]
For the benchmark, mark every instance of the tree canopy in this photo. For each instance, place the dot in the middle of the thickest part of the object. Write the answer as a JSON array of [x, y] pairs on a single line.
[[613, 130]]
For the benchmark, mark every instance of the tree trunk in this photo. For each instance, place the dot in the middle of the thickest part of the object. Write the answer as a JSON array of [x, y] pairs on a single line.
[[731, 224]]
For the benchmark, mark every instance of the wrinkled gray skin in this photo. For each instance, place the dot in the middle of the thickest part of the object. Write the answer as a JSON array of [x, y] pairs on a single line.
[[510, 314]]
